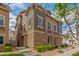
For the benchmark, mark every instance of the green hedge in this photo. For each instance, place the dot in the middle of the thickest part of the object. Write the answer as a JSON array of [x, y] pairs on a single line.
[[40, 48], [8, 44], [50, 47], [64, 46], [7, 48], [43, 48]]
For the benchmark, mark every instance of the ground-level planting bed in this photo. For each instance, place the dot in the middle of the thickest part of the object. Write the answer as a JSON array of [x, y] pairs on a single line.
[[76, 54], [7, 48], [50, 47], [17, 54]]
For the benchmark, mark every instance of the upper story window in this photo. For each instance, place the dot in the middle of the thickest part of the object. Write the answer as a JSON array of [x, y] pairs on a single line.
[[55, 28], [60, 29], [40, 22], [49, 26], [1, 20]]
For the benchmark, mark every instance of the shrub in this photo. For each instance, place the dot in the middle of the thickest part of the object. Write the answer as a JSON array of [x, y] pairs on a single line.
[[56, 46], [50, 47], [7, 48], [43, 48], [40, 48], [75, 54], [8, 44], [64, 46]]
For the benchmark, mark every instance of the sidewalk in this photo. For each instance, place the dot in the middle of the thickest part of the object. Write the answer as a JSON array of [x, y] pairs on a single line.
[[10, 52], [70, 52]]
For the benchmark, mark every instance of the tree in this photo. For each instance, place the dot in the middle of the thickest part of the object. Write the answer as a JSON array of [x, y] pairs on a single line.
[[65, 9]]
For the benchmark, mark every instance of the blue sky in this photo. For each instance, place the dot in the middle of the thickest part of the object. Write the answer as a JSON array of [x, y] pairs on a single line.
[[17, 8]]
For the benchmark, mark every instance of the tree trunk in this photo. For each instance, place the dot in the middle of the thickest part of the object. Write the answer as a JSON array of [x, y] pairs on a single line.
[[69, 28]]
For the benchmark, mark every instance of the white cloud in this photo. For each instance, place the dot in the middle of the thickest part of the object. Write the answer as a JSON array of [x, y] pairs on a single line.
[[19, 5], [73, 27], [12, 22], [12, 16], [70, 17], [12, 19]]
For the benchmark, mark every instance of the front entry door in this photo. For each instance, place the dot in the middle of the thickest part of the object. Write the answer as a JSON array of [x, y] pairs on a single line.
[[20, 42]]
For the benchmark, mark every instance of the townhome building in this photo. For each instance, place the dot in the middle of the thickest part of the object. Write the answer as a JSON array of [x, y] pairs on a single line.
[[4, 24], [35, 26]]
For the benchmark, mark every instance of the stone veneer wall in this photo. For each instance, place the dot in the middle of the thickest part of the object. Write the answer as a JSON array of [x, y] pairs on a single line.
[[40, 38], [5, 30]]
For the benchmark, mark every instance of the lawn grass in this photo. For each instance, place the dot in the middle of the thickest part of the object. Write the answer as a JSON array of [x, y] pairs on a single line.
[[17, 54], [76, 54]]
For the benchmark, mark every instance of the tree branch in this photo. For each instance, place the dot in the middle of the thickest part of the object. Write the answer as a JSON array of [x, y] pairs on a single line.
[[70, 28]]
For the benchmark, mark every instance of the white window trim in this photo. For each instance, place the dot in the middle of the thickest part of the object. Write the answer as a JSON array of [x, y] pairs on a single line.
[[56, 28], [3, 21], [40, 17], [51, 25], [3, 39]]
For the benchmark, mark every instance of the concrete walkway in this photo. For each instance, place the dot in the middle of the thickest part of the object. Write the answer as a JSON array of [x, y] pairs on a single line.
[[70, 52], [9, 52]]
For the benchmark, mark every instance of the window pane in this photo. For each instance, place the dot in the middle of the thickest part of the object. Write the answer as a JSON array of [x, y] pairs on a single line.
[[40, 22], [54, 28], [49, 26], [1, 20], [1, 40]]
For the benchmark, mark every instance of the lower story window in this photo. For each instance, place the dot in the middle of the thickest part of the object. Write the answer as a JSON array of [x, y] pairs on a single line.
[[1, 39], [49, 39]]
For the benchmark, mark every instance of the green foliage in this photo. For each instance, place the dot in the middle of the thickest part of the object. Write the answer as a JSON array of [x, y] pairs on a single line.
[[43, 48], [40, 48], [17, 54], [50, 47], [8, 44], [7, 48], [64, 9], [75, 54], [64, 46]]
